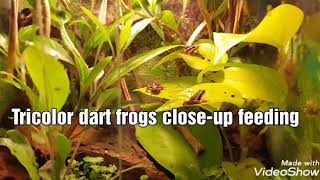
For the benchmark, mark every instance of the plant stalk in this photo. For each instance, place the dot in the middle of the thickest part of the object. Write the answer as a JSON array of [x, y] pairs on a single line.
[[13, 38], [46, 18]]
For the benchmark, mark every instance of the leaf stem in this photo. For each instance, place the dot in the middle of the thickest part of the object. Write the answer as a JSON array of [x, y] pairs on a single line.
[[13, 38], [73, 155]]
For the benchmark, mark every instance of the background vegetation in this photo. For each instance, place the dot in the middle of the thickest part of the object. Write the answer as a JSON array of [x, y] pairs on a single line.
[[154, 55]]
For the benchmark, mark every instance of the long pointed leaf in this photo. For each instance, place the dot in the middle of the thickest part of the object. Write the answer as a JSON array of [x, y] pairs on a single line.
[[120, 71]]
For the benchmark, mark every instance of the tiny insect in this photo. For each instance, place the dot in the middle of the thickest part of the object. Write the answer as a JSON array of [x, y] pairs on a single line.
[[154, 88], [191, 49], [195, 99]]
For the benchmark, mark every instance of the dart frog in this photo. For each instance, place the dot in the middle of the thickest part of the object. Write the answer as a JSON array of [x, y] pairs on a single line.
[[155, 88], [195, 99], [191, 49]]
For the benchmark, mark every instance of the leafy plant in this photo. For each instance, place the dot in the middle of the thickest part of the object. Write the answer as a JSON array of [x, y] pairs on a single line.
[[222, 82], [22, 150], [91, 168]]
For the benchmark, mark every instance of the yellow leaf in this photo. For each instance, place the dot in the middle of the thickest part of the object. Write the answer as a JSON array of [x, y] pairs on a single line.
[[276, 29]]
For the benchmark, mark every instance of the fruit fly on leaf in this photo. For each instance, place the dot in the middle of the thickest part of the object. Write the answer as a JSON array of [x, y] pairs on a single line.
[[154, 88], [195, 99], [191, 49]]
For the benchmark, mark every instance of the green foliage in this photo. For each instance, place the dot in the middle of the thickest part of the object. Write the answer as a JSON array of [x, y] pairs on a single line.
[[305, 139], [64, 149], [27, 33], [215, 93], [96, 71], [231, 83], [276, 29], [22, 150], [171, 150], [91, 168], [117, 72], [243, 170], [49, 77], [127, 36], [169, 20], [203, 58], [208, 135], [309, 75], [106, 97], [53, 48], [172, 88], [254, 82], [82, 67]]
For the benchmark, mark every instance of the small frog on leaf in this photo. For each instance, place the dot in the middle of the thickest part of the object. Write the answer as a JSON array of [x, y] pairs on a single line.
[[154, 88], [196, 98], [191, 49]]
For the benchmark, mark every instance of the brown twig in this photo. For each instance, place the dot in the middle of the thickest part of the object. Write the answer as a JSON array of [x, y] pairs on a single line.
[[73, 156], [206, 16], [196, 145], [13, 38], [46, 18], [126, 92], [38, 16], [239, 7]]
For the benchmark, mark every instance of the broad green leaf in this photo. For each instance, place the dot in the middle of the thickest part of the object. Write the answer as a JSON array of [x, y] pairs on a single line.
[[254, 82], [124, 35], [49, 76], [276, 29], [107, 96], [206, 49], [172, 88], [243, 170], [209, 137], [97, 69], [22, 150], [132, 63], [168, 147], [64, 149], [53, 48], [169, 20], [81, 65], [214, 93]]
